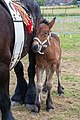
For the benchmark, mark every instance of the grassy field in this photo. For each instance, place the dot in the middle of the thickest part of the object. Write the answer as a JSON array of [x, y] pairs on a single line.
[[66, 107]]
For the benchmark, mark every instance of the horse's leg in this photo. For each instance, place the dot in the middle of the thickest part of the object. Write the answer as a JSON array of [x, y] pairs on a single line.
[[39, 73], [5, 103], [31, 90], [21, 87], [49, 84], [58, 72]]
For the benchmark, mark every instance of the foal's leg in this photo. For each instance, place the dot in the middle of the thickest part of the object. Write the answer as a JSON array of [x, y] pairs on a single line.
[[44, 86], [58, 72], [21, 88], [49, 84], [39, 72], [5, 103]]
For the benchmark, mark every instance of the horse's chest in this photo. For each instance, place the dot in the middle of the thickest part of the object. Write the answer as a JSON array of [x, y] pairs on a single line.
[[50, 56], [44, 61], [40, 61]]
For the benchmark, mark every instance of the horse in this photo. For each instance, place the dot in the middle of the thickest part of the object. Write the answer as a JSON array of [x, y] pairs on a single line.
[[46, 45], [26, 93], [23, 93]]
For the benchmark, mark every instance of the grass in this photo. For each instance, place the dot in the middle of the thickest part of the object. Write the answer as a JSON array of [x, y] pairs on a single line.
[[71, 57], [70, 44]]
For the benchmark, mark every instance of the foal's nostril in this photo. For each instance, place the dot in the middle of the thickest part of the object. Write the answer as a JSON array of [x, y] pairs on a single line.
[[35, 48]]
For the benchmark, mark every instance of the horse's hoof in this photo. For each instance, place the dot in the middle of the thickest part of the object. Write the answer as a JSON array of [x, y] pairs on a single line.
[[20, 92], [9, 116], [30, 95], [16, 98], [30, 107], [13, 104]]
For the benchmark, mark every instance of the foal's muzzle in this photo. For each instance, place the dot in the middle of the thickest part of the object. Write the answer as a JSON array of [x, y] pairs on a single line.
[[35, 48]]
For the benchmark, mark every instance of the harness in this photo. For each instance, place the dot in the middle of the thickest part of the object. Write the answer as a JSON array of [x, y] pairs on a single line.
[[20, 17], [43, 44], [19, 34]]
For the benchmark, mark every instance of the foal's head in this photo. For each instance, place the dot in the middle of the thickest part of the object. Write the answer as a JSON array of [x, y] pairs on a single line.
[[42, 35]]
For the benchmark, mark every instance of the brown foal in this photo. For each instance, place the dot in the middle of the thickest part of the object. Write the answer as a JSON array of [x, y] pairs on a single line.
[[46, 45]]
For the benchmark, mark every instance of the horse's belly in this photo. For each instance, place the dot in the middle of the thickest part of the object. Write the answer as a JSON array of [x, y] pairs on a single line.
[[52, 55], [26, 48]]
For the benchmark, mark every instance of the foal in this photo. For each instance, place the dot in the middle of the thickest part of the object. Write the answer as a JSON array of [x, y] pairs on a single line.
[[46, 45]]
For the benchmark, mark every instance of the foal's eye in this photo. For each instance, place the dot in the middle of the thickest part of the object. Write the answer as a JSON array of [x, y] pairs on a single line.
[[46, 33]]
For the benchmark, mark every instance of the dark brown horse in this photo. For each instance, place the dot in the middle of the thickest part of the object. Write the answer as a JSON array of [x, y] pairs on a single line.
[[48, 57], [19, 95], [7, 39]]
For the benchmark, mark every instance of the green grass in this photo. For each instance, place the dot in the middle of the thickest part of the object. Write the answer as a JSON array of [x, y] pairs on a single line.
[[71, 57], [70, 44], [70, 78]]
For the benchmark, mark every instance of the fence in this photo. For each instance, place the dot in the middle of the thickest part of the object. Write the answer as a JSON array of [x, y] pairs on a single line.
[[60, 10], [67, 25]]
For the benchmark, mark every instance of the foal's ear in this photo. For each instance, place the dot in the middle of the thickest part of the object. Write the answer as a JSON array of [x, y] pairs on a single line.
[[51, 23]]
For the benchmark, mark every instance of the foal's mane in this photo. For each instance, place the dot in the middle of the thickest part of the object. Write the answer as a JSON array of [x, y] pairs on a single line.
[[45, 22]]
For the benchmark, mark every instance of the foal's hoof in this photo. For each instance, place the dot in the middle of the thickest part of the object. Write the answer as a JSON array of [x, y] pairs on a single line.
[[35, 109], [32, 108], [60, 91], [49, 106], [49, 109]]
